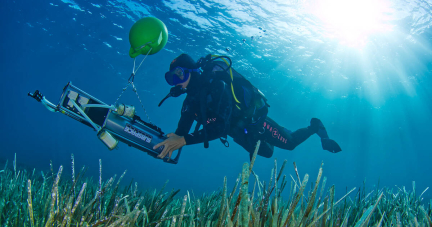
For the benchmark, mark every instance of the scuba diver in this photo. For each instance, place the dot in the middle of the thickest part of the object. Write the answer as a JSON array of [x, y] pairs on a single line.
[[225, 103]]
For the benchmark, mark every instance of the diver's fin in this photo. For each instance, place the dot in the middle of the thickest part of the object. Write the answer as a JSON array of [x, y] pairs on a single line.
[[318, 127], [327, 143], [330, 145]]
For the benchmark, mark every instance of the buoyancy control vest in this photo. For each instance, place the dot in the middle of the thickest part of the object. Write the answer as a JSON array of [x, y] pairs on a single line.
[[250, 105]]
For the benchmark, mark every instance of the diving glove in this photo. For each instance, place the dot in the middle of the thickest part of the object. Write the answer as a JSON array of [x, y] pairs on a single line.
[[327, 143]]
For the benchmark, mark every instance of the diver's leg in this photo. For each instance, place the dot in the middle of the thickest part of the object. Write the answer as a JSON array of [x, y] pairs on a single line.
[[280, 137]]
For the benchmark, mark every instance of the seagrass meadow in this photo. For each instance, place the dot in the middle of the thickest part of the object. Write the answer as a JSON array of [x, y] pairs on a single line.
[[29, 198]]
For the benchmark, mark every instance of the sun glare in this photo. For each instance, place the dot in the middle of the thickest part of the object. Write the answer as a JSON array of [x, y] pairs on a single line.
[[352, 21]]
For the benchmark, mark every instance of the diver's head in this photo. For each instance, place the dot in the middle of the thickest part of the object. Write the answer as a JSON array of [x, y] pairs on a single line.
[[181, 70]]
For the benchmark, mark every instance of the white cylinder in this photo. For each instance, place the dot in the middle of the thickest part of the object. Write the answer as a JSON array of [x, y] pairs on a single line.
[[125, 110], [108, 140]]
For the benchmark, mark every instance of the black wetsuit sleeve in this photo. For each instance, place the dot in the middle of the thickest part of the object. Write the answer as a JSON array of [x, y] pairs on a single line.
[[219, 108], [184, 124], [187, 117]]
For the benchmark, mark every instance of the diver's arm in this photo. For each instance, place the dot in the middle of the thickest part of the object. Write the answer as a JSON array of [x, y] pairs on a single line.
[[215, 129], [187, 116], [185, 124]]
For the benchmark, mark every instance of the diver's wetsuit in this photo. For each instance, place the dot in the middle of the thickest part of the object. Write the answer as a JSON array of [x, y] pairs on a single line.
[[218, 111], [271, 134], [221, 122]]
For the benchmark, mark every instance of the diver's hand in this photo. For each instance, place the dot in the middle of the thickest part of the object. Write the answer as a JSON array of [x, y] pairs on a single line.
[[174, 142]]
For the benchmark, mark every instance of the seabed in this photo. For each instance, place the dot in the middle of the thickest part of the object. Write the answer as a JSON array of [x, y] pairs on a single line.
[[48, 199]]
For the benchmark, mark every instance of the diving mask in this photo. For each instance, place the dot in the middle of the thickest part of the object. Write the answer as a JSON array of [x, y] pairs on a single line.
[[178, 75]]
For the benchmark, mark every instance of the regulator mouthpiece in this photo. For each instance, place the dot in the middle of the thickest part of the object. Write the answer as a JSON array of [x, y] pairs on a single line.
[[174, 92]]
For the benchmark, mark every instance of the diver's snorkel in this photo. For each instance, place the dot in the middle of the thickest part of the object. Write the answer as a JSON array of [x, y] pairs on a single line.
[[174, 92]]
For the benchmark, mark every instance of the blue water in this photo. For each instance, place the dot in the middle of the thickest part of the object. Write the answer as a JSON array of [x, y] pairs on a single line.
[[373, 92]]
